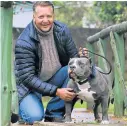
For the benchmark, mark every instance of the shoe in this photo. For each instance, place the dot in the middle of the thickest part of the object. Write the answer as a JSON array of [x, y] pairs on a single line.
[[14, 118], [54, 119], [21, 121]]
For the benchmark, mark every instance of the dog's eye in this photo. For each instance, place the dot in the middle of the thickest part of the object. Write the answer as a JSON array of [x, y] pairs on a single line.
[[70, 63]]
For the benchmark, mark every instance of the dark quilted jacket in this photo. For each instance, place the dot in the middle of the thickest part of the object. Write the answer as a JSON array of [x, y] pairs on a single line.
[[28, 59]]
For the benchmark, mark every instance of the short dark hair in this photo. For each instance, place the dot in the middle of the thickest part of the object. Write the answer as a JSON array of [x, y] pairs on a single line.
[[42, 3]]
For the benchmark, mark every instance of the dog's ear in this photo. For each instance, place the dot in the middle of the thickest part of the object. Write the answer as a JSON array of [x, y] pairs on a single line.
[[69, 60]]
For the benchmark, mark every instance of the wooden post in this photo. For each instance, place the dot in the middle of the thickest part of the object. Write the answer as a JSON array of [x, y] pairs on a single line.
[[91, 48], [120, 44], [6, 59], [101, 62], [119, 90]]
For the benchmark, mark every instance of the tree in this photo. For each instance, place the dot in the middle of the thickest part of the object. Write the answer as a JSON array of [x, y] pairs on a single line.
[[111, 12], [70, 12], [76, 13]]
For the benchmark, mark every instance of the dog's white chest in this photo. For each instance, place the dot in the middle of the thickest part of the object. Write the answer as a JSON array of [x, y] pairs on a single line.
[[86, 95]]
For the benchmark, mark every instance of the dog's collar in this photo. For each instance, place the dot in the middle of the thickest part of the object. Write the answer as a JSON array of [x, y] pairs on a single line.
[[92, 75]]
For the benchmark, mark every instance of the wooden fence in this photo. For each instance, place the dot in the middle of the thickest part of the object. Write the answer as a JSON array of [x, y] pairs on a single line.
[[115, 35]]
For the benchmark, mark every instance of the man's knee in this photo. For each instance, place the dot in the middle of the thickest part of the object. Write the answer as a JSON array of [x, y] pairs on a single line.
[[64, 71], [31, 109], [32, 116], [37, 116]]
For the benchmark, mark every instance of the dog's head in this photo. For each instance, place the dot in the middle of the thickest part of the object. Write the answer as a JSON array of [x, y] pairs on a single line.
[[79, 68]]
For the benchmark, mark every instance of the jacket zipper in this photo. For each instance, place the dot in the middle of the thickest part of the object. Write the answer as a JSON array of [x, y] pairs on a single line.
[[40, 57]]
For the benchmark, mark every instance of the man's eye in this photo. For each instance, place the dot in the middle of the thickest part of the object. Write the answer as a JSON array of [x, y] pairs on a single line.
[[41, 17], [49, 16]]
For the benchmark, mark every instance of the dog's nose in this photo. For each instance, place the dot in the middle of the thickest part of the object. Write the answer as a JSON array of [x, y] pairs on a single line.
[[72, 67]]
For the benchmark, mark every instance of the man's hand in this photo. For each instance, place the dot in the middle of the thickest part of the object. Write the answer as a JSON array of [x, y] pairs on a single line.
[[66, 94], [83, 52]]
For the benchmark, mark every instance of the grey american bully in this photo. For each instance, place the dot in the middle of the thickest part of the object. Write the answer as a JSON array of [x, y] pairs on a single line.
[[81, 71]]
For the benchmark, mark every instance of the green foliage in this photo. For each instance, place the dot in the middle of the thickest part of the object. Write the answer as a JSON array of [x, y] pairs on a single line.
[[70, 12], [83, 13], [111, 12], [101, 13]]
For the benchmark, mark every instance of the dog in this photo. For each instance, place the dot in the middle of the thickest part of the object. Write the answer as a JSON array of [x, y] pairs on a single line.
[[81, 71]]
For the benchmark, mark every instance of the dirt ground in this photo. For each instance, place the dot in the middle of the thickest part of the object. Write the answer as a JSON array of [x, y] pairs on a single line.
[[81, 117]]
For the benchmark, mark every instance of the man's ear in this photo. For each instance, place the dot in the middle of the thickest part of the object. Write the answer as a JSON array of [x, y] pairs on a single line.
[[33, 17], [54, 16]]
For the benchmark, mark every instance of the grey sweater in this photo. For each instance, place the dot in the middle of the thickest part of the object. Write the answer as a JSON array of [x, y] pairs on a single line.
[[50, 61]]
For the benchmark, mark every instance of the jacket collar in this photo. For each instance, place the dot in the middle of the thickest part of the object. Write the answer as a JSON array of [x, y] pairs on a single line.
[[33, 30]]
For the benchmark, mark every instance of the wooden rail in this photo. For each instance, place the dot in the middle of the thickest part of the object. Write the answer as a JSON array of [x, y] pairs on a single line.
[[115, 34]]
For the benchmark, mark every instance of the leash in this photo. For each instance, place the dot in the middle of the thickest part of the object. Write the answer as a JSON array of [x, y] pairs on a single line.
[[110, 66]]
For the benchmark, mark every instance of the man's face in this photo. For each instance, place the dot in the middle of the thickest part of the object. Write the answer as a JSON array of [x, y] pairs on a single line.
[[44, 17]]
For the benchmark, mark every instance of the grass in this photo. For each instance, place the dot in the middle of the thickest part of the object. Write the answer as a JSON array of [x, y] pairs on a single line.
[[79, 105], [84, 105]]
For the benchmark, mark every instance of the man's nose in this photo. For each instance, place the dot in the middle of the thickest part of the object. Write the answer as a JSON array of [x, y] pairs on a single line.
[[45, 19]]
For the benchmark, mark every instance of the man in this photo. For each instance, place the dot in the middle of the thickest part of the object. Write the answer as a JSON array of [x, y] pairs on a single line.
[[42, 52]]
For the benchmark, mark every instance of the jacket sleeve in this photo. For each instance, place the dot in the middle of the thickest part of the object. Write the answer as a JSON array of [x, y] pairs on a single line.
[[26, 72], [69, 44]]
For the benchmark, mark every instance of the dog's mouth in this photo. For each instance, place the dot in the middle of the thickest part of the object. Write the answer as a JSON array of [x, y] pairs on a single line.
[[72, 74]]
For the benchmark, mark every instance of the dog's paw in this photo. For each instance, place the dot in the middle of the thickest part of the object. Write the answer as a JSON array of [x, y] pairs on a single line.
[[68, 120], [104, 122], [98, 120]]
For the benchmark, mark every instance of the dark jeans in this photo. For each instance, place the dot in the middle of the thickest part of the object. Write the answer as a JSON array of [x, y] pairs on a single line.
[[31, 107]]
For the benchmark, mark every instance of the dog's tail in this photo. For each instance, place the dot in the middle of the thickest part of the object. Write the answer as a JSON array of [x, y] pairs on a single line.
[[111, 97]]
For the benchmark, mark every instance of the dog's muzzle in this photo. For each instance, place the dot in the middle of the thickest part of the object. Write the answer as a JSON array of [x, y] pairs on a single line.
[[72, 75]]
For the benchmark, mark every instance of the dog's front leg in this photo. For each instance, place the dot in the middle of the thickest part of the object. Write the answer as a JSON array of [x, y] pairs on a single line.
[[95, 109], [69, 104], [104, 104], [68, 109]]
